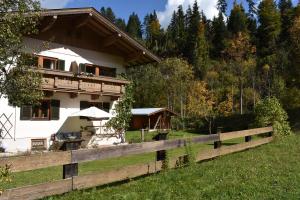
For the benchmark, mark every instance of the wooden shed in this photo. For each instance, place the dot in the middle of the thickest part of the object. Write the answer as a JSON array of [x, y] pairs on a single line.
[[151, 118]]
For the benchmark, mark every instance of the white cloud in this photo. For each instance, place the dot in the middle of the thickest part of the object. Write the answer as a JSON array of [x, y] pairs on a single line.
[[50, 4], [208, 7]]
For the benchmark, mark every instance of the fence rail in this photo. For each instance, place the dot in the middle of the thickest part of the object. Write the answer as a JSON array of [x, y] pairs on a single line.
[[32, 162]]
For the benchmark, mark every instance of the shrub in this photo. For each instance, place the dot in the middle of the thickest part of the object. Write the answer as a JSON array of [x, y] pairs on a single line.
[[270, 112], [5, 175]]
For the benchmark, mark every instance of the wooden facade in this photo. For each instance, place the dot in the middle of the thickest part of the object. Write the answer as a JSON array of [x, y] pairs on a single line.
[[63, 81]]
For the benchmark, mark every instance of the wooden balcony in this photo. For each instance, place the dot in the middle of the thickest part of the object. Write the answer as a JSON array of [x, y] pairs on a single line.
[[61, 81]]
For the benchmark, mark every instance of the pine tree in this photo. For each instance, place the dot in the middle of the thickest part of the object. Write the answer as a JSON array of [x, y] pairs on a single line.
[[121, 24], [108, 13], [222, 6], [201, 54], [134, 26], [268, 31], [153, 32], [268, 37], [286, 12], [219, 36], [251, 8], [192, 32], [237, 21], [176, 33]]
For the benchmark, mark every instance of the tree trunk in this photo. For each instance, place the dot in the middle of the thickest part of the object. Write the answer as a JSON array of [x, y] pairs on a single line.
[[241, 96]]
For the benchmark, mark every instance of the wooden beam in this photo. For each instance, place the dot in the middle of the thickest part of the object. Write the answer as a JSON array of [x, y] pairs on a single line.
[[73, 95], [49, 24], [95, 96], [110, 40], [48, 93], [85, 155], [36, 161], [134, 56], [239, 134], [38, 191], [85, 19]]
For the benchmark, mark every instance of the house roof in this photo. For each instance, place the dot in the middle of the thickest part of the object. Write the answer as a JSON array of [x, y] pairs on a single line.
[[149, 111], [87, 28]]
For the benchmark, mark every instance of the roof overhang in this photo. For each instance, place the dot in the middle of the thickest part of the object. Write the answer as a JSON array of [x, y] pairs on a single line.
[[99, 32], [150, 111]]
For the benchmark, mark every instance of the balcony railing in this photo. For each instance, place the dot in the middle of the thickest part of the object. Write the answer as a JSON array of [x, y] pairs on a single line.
[[67, 82]]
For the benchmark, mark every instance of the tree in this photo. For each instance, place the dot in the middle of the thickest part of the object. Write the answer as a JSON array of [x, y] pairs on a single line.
[[121, 24], [176, 34], [162, 85], [268, 32], [134, 26], [237, 21], [286, 13], [219, 35], [17, 82], [153, 32], [295, 53], [251, 8], [120, 123], [202, 103], [267, 43], [201, 54], [269, 112], [108, 13], [192, 33], [222, 6], [240, 52]]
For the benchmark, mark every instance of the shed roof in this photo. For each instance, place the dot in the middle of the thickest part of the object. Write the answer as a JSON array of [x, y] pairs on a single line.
[[149, 111]]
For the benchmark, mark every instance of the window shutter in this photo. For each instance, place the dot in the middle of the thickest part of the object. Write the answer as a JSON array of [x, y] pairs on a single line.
[[106, 106], [82, 68], [55, 106], [26, 112], [61, 65], [84, 105]]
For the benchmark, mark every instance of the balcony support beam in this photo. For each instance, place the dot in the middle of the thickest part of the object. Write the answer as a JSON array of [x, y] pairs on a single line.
[[49, 24], [110, 40]]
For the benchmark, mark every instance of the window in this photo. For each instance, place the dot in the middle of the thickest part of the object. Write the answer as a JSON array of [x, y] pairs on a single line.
[[51, 63], [46, 110], [90, 69], [97, 70], [41, 111], [101, 105], [105, 71]]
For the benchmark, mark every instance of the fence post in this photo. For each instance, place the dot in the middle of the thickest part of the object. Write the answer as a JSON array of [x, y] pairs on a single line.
[[218, 144], [70, 170], [161, 155], [143, 135], [248, 138]]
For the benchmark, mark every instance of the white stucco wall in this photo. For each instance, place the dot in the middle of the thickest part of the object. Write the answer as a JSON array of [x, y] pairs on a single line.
[[70, 54], [23, 131]]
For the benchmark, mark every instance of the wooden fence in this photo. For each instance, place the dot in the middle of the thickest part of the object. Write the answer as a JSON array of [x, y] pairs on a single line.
[[38, 161]]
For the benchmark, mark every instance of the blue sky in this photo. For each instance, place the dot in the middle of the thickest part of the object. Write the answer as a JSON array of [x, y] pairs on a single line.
[[123, 8]]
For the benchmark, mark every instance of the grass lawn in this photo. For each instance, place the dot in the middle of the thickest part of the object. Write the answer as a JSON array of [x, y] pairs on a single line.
[[271, 171]]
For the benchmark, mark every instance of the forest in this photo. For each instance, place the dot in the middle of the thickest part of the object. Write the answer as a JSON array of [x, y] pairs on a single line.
[[221, 67]]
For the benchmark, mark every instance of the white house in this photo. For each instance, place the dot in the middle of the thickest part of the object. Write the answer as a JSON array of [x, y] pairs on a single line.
[[69, 42]]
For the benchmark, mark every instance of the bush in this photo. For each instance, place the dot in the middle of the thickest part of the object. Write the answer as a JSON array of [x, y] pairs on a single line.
[[269, 112], [5, 175]]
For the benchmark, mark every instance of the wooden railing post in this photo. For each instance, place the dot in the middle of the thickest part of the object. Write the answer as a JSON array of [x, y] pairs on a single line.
[[70, 170], [143, 135], [248, 138], [161, 155], [218, 144]]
